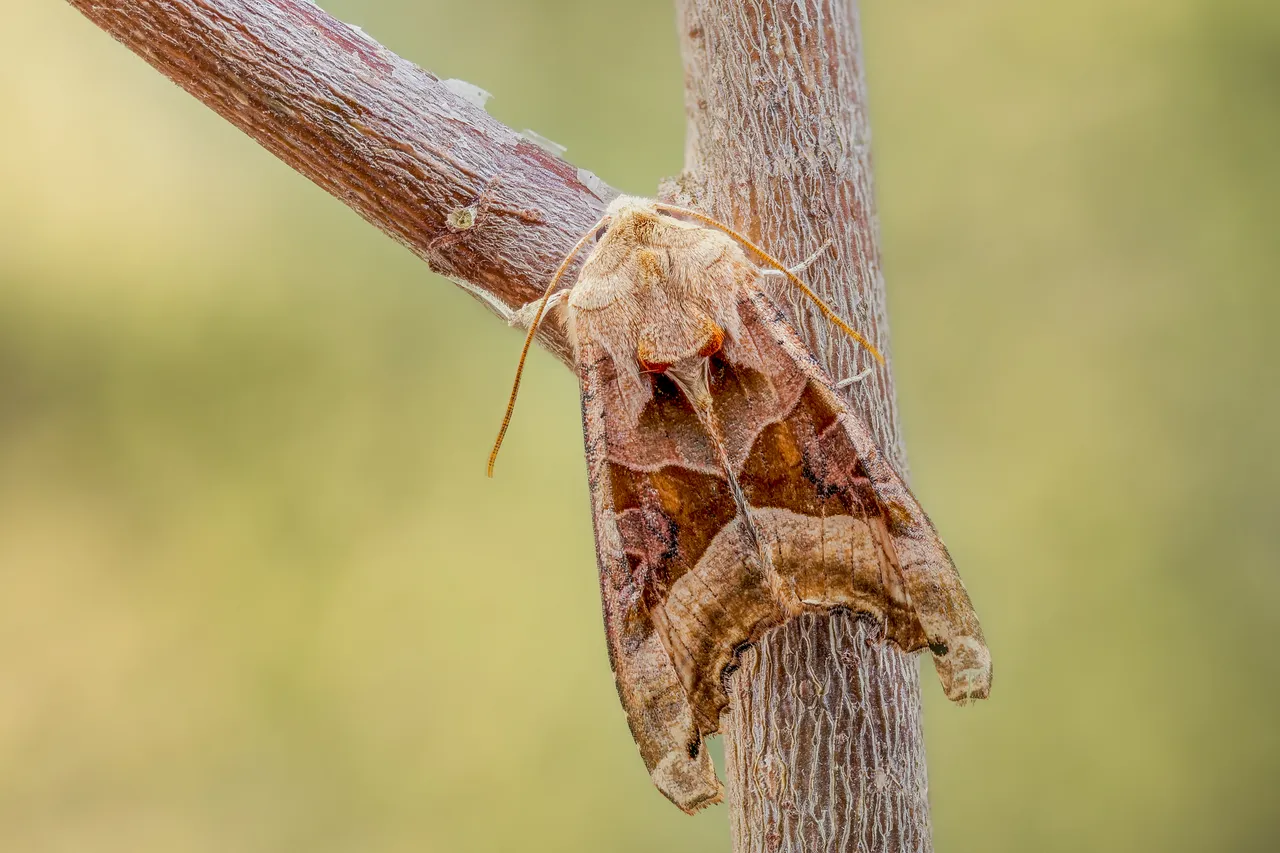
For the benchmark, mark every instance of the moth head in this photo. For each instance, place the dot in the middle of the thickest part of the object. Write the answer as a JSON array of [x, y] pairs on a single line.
[[625, 204], [632, 219]]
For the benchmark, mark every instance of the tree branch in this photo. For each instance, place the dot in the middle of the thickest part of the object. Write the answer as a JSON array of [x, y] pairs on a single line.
[[823, 740], [415, 156]]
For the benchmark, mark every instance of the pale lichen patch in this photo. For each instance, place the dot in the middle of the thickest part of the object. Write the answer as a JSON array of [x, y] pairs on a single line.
[[461, 218]]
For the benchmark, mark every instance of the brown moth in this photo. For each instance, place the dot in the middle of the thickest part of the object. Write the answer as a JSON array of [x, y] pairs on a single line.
[[731, 487]]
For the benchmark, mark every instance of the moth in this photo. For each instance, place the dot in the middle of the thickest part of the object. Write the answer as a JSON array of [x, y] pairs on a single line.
[[731, 487]]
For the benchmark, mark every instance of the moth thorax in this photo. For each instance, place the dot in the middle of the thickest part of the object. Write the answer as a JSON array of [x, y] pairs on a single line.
[[649, 268], [636, 225]]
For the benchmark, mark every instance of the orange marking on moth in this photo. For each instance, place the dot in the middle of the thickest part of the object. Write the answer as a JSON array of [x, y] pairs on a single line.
[[648, 364], [714, 342], [650, 266]]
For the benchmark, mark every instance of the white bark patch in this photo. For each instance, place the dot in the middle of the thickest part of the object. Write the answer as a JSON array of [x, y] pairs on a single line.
[[542, 142], [469, 92]]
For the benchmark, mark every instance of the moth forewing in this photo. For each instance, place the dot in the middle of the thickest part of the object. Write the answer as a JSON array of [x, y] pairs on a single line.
[[937, 593], [731, 487]]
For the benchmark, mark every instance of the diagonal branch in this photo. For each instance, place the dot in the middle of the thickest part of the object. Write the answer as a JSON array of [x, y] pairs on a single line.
[[415, 156]]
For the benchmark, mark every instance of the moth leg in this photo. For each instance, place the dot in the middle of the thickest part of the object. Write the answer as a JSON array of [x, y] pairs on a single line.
[[803, 265], [523, 316], [861, 375]]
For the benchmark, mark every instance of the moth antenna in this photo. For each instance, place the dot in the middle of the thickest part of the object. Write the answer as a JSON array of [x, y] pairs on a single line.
[[769, 259], [533, 330]]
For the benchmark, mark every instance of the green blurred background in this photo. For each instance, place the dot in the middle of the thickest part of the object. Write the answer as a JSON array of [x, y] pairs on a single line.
[[251, 593]]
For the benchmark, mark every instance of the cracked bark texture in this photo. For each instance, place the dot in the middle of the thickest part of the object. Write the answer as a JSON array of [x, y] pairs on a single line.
[[823, 741]]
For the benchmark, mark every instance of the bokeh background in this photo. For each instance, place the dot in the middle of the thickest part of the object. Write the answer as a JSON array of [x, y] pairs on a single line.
[[256, 593]]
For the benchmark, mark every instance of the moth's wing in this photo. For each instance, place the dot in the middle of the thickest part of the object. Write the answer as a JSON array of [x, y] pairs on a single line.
[[653, 697], [835, 448]]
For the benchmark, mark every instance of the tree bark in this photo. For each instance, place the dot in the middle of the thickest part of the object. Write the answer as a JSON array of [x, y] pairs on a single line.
[[823, 736], [823, 740]]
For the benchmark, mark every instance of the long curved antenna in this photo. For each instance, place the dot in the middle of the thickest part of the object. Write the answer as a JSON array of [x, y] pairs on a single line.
[[769, 259], [533, 330]]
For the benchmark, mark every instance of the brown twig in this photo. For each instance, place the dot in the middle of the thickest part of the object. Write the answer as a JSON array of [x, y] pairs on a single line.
[[414, 155], [824, 743], [823, 739]]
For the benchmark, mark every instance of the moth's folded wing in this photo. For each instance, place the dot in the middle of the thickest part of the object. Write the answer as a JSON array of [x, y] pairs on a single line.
[[937, 593], [653, 697], [838, 453]]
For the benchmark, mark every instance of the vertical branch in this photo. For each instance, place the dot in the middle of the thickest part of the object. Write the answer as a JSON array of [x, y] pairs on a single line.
[[823, 738]]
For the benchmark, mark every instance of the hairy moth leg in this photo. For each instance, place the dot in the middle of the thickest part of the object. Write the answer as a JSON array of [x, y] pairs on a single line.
[[855, 379], [522, 317], [802, 266]]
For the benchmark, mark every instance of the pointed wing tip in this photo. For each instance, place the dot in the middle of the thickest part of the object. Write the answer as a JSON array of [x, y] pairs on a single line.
[[964, 667], [970, 686], [690, 783], [713, 800]]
